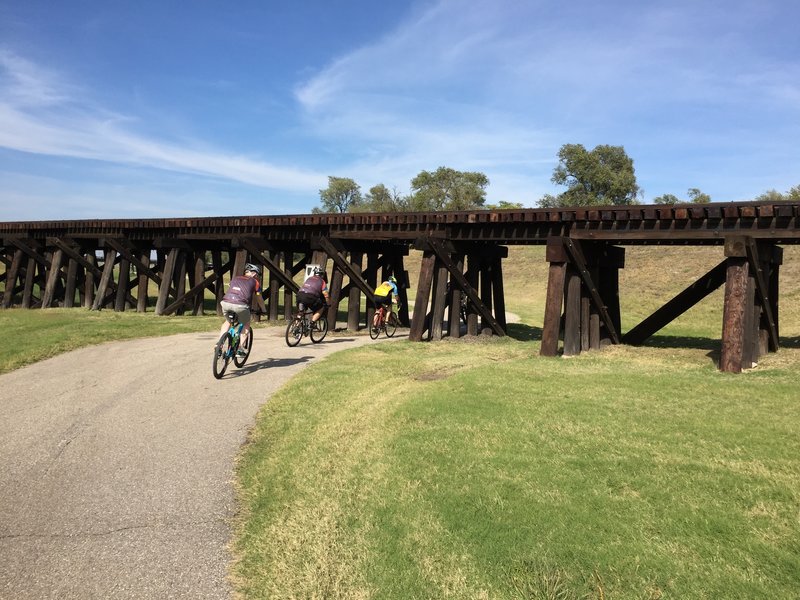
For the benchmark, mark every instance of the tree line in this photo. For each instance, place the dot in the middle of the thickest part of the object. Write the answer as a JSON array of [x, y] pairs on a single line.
[[599, 177]]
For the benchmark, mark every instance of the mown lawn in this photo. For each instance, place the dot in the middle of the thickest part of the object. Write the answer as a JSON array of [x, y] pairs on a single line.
[[479, 470]]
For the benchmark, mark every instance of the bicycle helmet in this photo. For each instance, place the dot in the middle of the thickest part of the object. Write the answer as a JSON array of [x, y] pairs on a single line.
[[393, 279], [251, 267], [320, 272]]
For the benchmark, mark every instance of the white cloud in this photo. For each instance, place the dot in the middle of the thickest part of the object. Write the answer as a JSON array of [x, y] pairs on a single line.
[[40, 114]]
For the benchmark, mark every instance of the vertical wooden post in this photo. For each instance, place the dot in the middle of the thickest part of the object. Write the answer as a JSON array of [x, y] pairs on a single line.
[[288, 300], [88, 281], [274, 284], [454, 324], [72, 279], [52, 278], [557, 257], [11, 278], [122, 285], [105, 279], [335, 293], [776, 259], [733, 314], [473, 278], [167, 278], [498, 292], [572, 314], [30, 279], [198, 276], [143, 284], [354, 299], [371, 277], [486, 288], [439, 301], [398, 268], [219, 286], [421, 301]]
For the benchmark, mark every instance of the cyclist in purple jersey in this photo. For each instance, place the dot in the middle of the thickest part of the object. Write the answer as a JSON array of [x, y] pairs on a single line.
[[313, 294], [238, 298]]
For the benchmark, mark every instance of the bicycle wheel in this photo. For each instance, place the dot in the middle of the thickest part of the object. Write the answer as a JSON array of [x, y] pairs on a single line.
[[294, 332], [391, 325], [319, 330], [240, 359], [222, 354]]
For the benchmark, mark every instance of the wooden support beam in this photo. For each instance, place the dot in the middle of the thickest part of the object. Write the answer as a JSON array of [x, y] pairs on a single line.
[[763, 291], [197, 290], [272, 265], [577, 258], [733, 315], [106, 279], [70, 288], [166, 279], [439, 300], [557, 257], [122, 284], [53, 277], [423, 292], [454, 302], [337, 256], [572, 313], [354, 293], [460, 280], [678, 305]]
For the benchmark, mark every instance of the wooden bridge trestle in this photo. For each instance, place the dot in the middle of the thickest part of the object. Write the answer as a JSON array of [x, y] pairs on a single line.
[[115, 263]]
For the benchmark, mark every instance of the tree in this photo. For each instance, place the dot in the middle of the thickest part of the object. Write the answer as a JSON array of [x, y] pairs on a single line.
[[775, 196], [448, 189], [695, 197], [503, 204], [666, 199], [602, 176], [340, 195], [698, 197], [381, 199]]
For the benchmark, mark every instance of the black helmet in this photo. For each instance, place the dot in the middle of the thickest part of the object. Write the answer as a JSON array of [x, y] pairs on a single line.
[[320, 272]]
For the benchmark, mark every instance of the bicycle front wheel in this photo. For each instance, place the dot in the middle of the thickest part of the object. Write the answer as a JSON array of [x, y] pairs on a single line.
[[222, 354], [391, 325], [243, 352], [294, 332], [319, 330], [374, 331]]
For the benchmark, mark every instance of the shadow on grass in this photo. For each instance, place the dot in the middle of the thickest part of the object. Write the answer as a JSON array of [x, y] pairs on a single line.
[[524, 333]]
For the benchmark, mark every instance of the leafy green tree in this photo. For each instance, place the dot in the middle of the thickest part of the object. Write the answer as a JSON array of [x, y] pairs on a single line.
[[340, 195], [503, 204], [448, 189], [602, 176], [381, 199], [698, 197], [775, 196], [695, 197], [666, 199]]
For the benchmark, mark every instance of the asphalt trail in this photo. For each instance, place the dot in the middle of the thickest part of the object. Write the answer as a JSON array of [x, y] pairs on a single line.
[[116, 465]]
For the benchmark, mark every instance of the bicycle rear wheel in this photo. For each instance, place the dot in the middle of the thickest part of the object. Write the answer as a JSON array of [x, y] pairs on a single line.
[[222, 354], [391, 325], [238, 359], [319, 330], [294, 332]]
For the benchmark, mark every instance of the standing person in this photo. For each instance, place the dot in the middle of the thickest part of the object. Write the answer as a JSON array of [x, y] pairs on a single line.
[[384, 294], [313, 294], [238, 298]]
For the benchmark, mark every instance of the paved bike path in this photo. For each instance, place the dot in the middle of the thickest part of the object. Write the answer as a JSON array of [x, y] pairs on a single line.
[[116, 465]]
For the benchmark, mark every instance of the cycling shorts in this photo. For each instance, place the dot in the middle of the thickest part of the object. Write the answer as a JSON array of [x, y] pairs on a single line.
[[311, 301], [242, 311]]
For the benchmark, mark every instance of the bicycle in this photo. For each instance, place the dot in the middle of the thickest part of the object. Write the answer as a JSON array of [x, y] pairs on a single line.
[[301, 326], [388, 325], [229, 346]]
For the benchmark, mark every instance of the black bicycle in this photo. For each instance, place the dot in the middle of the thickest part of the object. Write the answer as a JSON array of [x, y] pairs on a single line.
[[301, 325], [229, 346]]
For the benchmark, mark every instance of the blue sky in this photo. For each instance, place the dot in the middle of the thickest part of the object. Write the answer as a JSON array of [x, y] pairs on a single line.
[[121, 109]]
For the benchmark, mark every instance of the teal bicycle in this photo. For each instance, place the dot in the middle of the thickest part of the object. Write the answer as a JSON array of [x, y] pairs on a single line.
[[229, 346]]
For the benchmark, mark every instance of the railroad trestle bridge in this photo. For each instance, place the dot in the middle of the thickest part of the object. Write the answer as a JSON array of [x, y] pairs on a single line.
[[112, 263]]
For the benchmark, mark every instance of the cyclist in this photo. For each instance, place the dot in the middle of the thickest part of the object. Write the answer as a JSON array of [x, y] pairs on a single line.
[[383, 295], [238, 298], [313, 294]]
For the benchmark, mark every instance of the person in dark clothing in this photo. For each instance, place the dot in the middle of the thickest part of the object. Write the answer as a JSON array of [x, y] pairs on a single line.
[[313, 294], [238, 298]]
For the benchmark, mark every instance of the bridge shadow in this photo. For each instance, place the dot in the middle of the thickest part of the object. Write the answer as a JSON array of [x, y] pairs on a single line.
[[524, 333], [269, 363]]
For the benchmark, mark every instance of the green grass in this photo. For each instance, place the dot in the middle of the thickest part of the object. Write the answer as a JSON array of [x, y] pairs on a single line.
[[473, 470], [477, 469], [31, 335]]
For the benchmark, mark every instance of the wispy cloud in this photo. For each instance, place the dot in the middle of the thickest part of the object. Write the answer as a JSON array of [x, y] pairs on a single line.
[[41, 113]]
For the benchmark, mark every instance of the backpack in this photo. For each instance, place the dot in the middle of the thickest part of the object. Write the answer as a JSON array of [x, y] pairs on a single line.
[[383, 289]]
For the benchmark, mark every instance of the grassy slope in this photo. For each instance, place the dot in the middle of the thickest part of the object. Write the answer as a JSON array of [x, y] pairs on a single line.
[[477, 469]]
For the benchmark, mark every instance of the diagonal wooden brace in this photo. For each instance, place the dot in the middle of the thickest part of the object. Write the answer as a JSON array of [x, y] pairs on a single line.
[[762, 290], [578, 260], [337, 256], [440, 252], [271, 265]]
